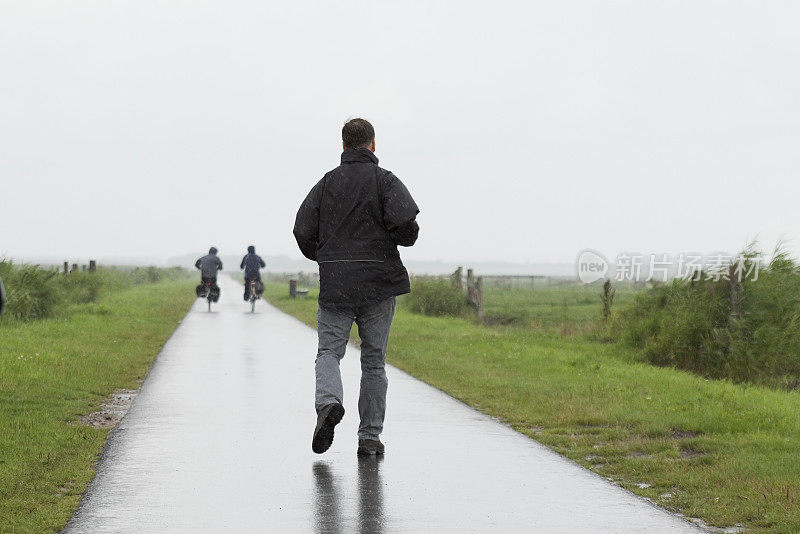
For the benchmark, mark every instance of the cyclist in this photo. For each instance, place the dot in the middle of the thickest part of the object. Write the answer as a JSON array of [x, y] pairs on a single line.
[[209, 265], [252, 263]]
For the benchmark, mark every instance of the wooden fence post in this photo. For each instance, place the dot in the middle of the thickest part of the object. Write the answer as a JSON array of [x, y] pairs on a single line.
[[456, 278], [479, 297], [293, 289], [475, 292], [66, 267], [470, 286], [607, 299], [92, 266], [74, 267]]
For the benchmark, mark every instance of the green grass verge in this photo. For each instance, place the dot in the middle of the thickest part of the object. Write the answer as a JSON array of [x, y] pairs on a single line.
[[569, 308], [54, 370], [722, 452]]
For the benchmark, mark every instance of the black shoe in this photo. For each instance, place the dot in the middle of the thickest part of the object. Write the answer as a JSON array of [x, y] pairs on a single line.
[[370, 447], [328, 418]]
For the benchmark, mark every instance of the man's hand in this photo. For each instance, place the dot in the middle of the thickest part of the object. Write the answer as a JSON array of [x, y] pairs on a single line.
[[406, 234]]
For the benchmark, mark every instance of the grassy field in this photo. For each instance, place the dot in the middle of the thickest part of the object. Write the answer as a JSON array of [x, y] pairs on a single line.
[[54, 370], [567, 309], [714, 450]]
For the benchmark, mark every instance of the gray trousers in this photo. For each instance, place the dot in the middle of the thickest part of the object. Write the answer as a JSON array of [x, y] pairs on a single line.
[[333, 328]]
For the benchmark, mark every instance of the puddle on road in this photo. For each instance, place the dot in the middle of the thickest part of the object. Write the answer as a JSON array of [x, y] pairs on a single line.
[[111, 411]]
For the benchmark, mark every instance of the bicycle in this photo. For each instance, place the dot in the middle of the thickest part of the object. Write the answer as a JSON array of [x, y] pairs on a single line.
[[252, 295], [209, 294]]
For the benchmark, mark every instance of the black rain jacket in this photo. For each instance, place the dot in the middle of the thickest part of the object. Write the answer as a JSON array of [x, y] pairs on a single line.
[[251, 264], [209, 265], [351, 224]]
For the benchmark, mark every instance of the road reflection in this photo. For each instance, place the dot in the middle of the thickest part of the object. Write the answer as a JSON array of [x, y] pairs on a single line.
[[329, 516], [370, 495], [327, 506]]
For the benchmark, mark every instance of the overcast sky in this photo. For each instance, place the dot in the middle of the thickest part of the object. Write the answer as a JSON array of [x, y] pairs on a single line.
[[526, 131]]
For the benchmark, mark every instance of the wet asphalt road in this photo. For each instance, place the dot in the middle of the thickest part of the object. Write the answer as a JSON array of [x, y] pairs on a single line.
[[219, 440]]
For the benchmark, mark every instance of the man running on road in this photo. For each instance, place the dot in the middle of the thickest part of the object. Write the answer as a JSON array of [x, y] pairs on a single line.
[[209, 265], [351, 224], [252, 263]]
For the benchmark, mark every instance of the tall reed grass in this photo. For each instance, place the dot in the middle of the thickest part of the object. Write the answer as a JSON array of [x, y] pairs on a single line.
[[701, 327], [34, 292]]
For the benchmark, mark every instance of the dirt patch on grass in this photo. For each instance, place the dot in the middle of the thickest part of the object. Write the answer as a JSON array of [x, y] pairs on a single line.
[[689, 453], [678, 433], [66, 488], [111, 411]]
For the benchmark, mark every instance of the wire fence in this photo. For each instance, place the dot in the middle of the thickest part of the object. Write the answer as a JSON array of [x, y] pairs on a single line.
[[558, 304]]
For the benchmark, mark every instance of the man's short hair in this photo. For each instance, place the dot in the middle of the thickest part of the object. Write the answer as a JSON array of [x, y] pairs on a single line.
[[357, 133]]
